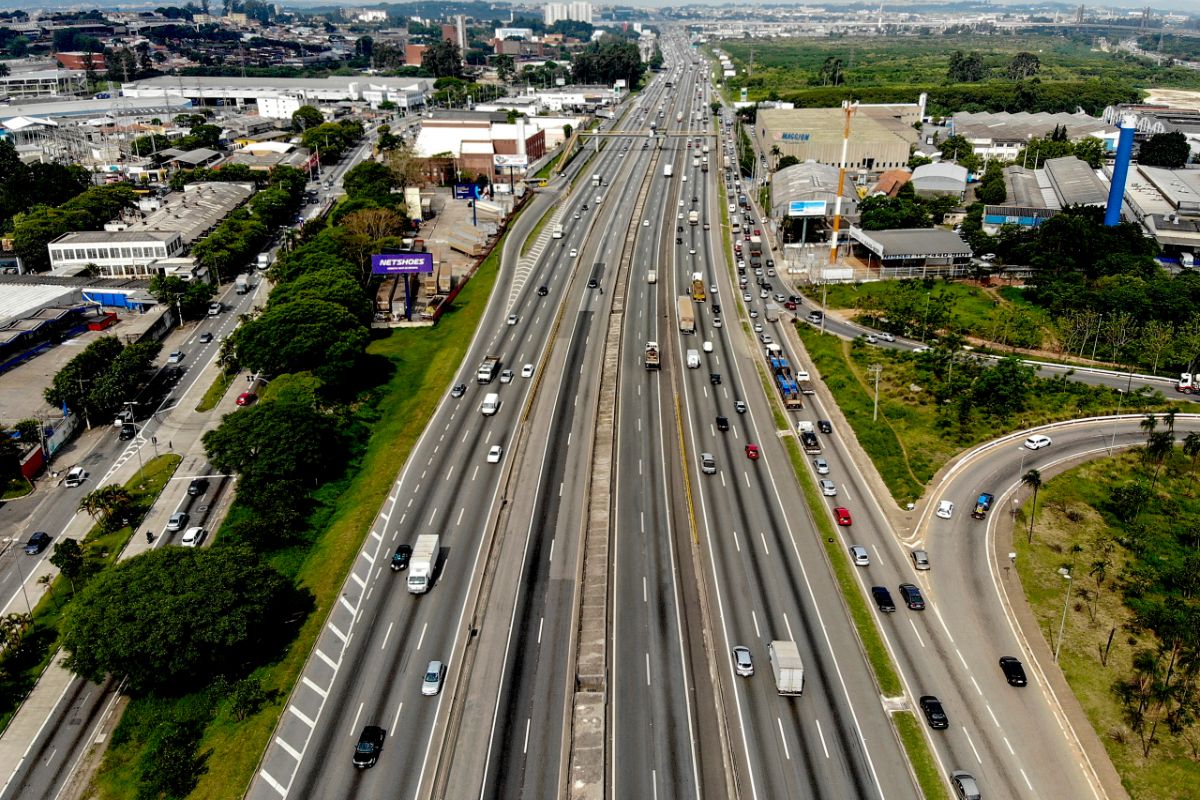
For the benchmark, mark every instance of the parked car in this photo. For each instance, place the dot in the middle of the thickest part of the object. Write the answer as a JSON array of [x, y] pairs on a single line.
[[246, 398]]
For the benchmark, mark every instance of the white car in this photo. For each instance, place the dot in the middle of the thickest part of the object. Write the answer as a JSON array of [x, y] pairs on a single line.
[[175, 357], [645, 223], [884, 336], [708, 347], [683, 178], [746, 297], [1037, 442], [506, 376], [193, 537], [717, 322], [574, 252], [758, 328], [860, 556], [764, 294], [493, 456], [945, 509], [527, 371], [512, 319]]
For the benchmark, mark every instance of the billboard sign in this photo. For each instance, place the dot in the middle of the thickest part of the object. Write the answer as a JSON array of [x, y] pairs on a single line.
[[515, 160], [806, 208], [401, 263], [466, 191]]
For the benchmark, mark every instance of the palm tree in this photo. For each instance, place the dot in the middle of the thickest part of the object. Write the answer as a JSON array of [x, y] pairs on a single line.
[[1191, 449], [776, 153], [1148, 424], [102, 503], [1032, 479], [1158, 448]]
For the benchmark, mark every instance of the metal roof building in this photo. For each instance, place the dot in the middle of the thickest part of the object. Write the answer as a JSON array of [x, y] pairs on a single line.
[[940, 178], [809, 183], [1075, 183], [914, 252]]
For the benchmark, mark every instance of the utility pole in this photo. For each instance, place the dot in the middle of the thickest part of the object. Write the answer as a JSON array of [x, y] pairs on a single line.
[[876, 370]]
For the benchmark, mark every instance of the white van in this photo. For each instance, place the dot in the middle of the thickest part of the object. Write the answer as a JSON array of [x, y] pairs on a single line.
[[490, 405], [652, 276], [693, 359]]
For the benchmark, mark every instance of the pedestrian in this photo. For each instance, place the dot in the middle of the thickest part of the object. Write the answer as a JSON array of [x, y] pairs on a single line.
[[149, 537]]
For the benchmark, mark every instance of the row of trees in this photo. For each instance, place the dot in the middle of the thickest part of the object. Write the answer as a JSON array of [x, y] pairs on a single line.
[[102, 377], [27, 185], [608, 60], [332, 139], [906, 210]]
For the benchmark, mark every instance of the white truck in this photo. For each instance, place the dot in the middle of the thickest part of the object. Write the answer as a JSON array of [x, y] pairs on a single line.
[[668, 170], [263, 261], [487, 369], [693, 359], [423, 563], [557, 232], [787, 666], [241, 284], [490, 404]]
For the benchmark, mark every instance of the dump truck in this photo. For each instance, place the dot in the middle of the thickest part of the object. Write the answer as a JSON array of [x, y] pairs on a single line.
[[652, 361], [982, 505], [787, 667], [698, 287], [423, 563], [488, 369], [687, 317]]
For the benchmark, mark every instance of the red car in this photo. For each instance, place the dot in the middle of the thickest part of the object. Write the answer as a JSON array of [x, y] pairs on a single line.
[[246, 398], [752, 452], [842, 515], [757, 232], [789, 305]]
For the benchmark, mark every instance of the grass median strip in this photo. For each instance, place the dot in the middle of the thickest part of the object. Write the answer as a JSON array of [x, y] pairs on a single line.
[[929, 778], [216, 391]]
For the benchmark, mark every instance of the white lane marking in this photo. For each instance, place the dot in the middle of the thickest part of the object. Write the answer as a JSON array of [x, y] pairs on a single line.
[[461, 511], [333, 665], [432, 515], [737, 545], [917, 632], [568, 438], [995, 721], [766, 547], [976, 685], [541, 623], [1011, 752], [349, 607], [276, 785], [525, 747], [396, 718], [645, 591], [647, 669], [421, 640], [962, 660], [310, 683], [301, 716], [787, 623], [971, 742], [783, 738], [560, 489], [450, 472], [357, 714], [642, 520], [410, 502], [287, 748], [551, 558], [746, 475], [1026, 777], [821, 733], [754, 619], [722, 479], [475, 473], [639, 466], [386, 634]]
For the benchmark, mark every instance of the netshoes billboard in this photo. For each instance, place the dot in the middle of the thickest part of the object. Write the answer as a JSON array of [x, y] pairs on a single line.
[[401, 263]]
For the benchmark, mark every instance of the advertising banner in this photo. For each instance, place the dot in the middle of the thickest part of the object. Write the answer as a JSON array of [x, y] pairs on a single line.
[[466, 191], [518, 161], [806, 208], [401, 263]]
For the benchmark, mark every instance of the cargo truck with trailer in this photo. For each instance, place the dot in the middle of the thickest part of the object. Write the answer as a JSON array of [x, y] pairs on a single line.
[[785, 381]]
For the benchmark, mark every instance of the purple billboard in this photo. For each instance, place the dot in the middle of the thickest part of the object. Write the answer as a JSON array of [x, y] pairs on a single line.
[[401, 263]]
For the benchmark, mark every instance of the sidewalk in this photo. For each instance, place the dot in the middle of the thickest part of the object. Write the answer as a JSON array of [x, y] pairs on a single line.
[[180, 433]]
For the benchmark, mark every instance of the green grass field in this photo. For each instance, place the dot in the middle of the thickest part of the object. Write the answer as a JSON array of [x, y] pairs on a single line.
[[425, 360], [1066, 531]]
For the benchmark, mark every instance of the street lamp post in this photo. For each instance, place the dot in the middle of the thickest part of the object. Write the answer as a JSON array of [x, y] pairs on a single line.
[[876, 370], [1062, 626]]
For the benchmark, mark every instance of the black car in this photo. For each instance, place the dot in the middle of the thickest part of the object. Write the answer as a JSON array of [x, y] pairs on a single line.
[[722, 423], [459, 390], [128, 431], [37, 543], [1014, 672], [593, 283], [716, 308], [197, 487], [824, 426], [543, 291], [370, 743], [883, 598], [714, 378], [934, 714], [400, 557], [912, 596]]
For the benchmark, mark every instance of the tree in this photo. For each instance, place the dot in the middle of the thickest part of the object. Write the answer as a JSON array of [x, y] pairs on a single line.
[[275, 441], [329, 285], [964, 68], [68, 557], [505, 67], [190, 297], [443, 59], [364, 47], [375, 223], [306, 117], [1191, 449], [10, 458], [307, 335], [406, 166], [785, 162], [1168, 150], [106, 503], [168, 615], [3, 70], [1032, 479], [1023, 65], [370, 179]]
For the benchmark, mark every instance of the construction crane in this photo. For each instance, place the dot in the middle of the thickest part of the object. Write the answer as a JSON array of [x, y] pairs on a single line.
[[848, 108]]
